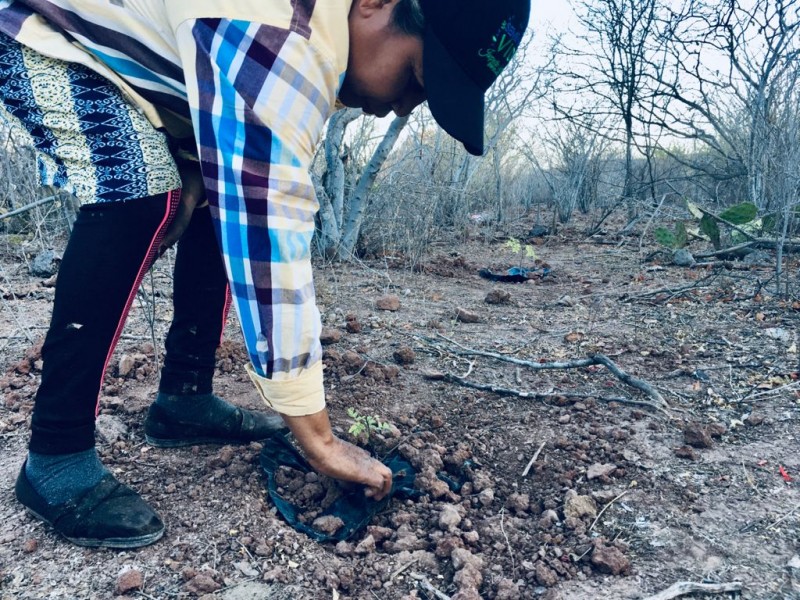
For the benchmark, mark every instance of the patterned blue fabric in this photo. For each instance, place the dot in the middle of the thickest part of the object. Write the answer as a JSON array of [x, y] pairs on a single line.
[[89, 140]]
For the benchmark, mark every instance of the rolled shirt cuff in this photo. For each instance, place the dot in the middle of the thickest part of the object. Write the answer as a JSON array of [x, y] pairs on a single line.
[[297, 397]]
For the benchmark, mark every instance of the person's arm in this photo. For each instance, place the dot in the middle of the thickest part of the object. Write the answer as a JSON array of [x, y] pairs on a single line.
[[259, 98]]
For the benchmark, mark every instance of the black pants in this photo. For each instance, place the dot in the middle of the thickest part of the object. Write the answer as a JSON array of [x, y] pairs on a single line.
[[111, 248]]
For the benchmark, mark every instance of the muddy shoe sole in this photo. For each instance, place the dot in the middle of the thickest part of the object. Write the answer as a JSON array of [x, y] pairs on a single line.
[[109, 515]]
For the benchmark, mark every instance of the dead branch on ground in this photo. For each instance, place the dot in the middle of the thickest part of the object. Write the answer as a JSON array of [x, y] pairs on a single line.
[[428, 587], [675, 291], [591, 360], [688, 587]]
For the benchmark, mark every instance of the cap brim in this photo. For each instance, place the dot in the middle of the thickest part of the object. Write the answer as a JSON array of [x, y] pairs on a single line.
[[455, 101]]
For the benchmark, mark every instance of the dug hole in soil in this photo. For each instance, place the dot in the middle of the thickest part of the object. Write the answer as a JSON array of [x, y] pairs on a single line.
[[621, 501]]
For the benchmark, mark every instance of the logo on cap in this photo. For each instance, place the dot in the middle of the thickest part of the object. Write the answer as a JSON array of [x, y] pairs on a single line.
[[504, 45]]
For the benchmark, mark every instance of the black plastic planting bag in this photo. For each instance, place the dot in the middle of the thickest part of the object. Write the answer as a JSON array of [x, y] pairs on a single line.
[[352, 507]]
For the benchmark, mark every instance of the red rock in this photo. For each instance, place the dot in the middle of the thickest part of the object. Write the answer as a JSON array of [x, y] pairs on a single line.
[[610, 560], [390, 303], [129, 580], [449, 518], [353, 326], [545, 575], [597, 470], [519, 502], [698, 436], [686, 452], [466, 316], [404, 355], [366, 546], [30, 545], [717, 430], [202, 584], [507, 590], [446, 545], [126, 365], [328, 524], [754, 420], [329, 335], [462, 558], [497, 297]]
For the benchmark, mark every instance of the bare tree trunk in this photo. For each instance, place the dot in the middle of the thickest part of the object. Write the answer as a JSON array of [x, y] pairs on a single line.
[[358, 201], [330, 189], [334, 177]]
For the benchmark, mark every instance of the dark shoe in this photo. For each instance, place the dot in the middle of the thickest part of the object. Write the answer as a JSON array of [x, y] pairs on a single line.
[[110, 515], [164, 429]]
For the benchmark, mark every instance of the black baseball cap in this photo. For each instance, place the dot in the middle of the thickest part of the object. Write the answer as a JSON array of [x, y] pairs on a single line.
[[466, 45]]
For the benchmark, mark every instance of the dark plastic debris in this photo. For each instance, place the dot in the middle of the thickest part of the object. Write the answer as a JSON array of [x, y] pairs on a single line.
[[352, 507]]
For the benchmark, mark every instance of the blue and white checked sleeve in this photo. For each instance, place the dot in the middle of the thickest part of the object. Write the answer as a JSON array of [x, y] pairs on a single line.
[[259, 98]]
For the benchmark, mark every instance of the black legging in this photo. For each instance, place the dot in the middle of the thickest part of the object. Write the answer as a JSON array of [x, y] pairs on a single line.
[[111, 247]]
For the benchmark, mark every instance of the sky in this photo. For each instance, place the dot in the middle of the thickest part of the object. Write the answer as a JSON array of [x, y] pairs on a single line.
[[547, 14]]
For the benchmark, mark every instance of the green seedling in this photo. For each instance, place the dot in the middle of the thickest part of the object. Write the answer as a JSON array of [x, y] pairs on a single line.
[[522, 250], [364, 425]]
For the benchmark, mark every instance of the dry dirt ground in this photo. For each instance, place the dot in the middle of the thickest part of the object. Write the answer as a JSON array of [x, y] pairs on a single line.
[[622, 501]]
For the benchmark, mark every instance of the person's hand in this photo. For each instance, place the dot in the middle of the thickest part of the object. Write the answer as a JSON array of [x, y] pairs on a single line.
[[347, 462], [193, 194], [336, 458]]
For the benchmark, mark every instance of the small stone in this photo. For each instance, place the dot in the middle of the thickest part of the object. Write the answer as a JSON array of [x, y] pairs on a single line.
[[698, 436], [380, 533], [110, 428], [597, 470], [449, 518], [471, 537], [682, 258], [404, 355], [129, 580], [263, 549], [486, 497], [390, 302], [549, 517], [507, 590], [366, 546], [462, 558], [519, 502], [329, 335], [564, 419], [686, 452], [604, 496], [45, 264], [30, 545], [224, 457], [497, 297], [328, 524], [754, 420], [202, 584], [344, 548], [545, 575], [466, 316], [353, 325], [610, 560], [717, 430], [246, 568], [126, 365], [579, 506]]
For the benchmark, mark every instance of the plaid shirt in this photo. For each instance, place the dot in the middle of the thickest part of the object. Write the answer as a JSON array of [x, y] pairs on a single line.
[[255, 90]]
